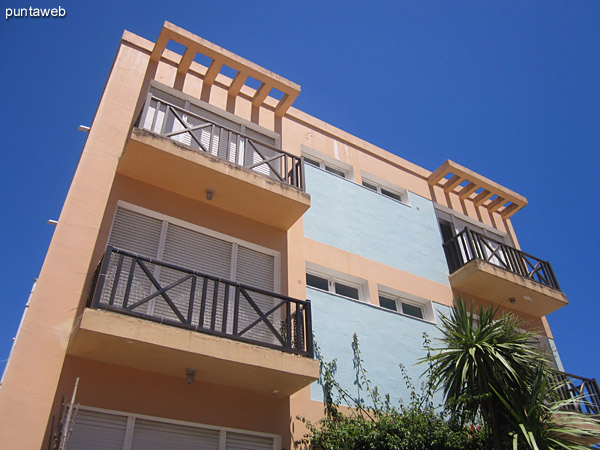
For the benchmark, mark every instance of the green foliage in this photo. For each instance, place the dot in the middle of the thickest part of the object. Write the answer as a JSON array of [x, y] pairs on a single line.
[[543, 423], [488, 368], [478, 354], [377, 424], [399, 429]]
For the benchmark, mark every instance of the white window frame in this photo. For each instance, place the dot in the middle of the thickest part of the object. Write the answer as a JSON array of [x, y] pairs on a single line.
[[426, 306], [334, 277], [225, 237], [131, 417], [379, 184], [326, 163], [458, 220]]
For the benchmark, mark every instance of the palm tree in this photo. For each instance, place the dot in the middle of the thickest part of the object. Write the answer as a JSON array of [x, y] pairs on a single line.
[[481, 354], [489, 370], [543, 421]]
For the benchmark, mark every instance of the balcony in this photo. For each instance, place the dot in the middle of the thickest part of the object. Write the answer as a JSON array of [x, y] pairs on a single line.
[[580, 395], [492, 270], [155, 316], [583, 391], [219, 159]]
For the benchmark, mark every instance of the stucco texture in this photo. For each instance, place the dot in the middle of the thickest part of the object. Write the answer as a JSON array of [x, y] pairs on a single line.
[[354, 219], [386, 339]]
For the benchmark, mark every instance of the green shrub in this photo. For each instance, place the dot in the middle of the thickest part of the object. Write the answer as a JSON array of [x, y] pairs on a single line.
[[382, 426]]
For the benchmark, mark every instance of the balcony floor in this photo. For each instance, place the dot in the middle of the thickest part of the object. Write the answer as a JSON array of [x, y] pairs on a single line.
[[131, 342], [488, 281], [162, 162]]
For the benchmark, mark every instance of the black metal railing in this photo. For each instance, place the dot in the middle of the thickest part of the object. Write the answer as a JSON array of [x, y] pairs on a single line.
[[583, 392], [469, 245], [154, 290], [195, 130]]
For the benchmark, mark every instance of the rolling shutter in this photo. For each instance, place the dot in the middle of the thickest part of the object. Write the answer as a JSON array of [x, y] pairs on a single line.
[[197, 251], [152, 435], [238, 441], [94, 430], [190, 249], [256, 269], [104, 431], [136, 233]]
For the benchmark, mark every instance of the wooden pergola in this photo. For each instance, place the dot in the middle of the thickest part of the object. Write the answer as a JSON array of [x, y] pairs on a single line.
[[221, 57], [468, 185]]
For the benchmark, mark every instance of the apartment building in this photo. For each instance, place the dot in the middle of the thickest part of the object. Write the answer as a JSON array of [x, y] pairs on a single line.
[[210, 231]]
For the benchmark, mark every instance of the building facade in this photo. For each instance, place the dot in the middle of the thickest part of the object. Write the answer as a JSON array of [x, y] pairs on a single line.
[[210, 231]]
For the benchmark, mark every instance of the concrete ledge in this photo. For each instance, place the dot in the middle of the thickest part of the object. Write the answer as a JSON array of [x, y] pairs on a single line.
[[490, 282], [131, 342], [172, 166]]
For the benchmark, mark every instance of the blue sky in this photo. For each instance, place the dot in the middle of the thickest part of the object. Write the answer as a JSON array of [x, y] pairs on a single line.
[[509, 89]]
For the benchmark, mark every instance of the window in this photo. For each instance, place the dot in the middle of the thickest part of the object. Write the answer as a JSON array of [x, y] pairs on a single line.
[[317, 282], [334, 285], [406, 304], [451, 223], [490, 244], [384, 188], [397, 304], [315, 158], [326, 166], [190, 246], [125, 431]]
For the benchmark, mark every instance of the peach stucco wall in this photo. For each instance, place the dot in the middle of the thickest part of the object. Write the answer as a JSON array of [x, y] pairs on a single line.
[[121, 389]]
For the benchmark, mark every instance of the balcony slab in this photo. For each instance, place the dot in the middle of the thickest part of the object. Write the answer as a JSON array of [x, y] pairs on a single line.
[[131, 342], [174, 167], [485, 280]]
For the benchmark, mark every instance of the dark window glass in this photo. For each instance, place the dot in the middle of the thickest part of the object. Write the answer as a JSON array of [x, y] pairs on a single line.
[[312, 162], [317, 282], [411, 310], [369, 186], [335, 171], [391, 194], [447, 230], [346, 291], [388, 303]]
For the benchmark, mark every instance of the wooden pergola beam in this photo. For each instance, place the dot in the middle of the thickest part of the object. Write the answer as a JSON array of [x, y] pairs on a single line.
[[285, 103], [186, 61], [261, 93], [495, 204], [467, 190], [213, 70], [236, 85], [452, 183], [510, 210]]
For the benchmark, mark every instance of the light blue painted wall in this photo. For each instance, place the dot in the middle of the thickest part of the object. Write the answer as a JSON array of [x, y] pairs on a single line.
[[557, 360], [385, 337], [352, 218]]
